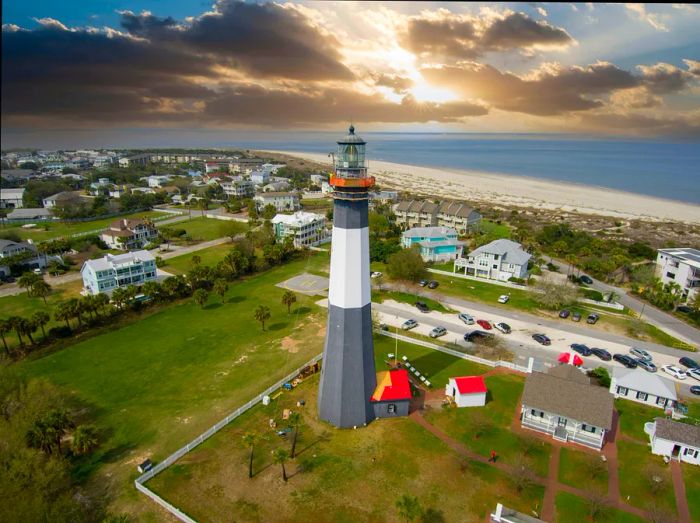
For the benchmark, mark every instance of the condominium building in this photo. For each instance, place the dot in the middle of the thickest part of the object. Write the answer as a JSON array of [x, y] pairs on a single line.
[[304, 227], [499, 260], [680, 266], [458, 215], [419, 213], [126, 234], [416, 213], [113, 271], [281, 201], [238, 188]]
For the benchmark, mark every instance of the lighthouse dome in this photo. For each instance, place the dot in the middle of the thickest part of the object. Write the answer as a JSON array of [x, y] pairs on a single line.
[[351, 137]]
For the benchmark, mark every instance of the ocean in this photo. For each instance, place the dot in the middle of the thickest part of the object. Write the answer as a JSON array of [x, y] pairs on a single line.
[[658, 168]]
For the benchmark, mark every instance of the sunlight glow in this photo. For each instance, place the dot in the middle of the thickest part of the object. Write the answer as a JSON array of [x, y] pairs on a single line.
[[425, 92]]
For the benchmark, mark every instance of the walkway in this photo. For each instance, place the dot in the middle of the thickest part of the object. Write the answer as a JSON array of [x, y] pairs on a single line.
[[681, 496]]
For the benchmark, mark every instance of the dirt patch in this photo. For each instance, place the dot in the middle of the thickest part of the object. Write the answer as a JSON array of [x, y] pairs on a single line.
[[290, 345]]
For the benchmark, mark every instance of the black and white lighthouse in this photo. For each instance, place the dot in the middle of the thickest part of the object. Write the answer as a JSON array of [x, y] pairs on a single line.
[[348, 376]]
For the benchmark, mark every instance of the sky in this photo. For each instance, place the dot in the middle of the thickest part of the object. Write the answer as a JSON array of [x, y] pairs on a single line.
[[102, 66]]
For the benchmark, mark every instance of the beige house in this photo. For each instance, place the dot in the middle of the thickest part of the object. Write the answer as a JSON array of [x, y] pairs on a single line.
[[126, 234], [420, 213]]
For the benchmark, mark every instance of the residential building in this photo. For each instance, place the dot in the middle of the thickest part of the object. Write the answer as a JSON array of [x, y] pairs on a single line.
[[272, 168], [562, 402], [458, 215], [116, 191], [392, 396], [467, 391], [318, 179], [244, 165], [211, 167], [305, 228], [276, 187], [158, 180], [680, 266], [436, 243], [11, 198], [126, 234], [508, 515], [676, 440], [416, 213], [499, 260], [101, 187], [29, 214], [260, 177], [63, 197], [281, 201], [384, 196], [8, 249], [17, 174], [121, 270], [135, 159], [643, 387], [238, 188]]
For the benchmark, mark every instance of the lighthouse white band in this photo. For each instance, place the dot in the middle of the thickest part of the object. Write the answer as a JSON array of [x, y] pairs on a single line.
[[349, 286]]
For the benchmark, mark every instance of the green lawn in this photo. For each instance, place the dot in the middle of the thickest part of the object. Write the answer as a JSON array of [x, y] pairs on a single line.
[[637, 466], [572, 508], [583, 470], [51, 230], [495, 230], [205, 229], [338, 476], [157, 383], [209, 256], [633, 416], [691, 477]]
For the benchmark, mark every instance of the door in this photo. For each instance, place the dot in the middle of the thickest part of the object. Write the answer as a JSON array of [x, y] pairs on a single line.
[[676, 451]]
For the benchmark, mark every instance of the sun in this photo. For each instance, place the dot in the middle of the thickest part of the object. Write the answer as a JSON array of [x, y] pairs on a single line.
[[422, 91]]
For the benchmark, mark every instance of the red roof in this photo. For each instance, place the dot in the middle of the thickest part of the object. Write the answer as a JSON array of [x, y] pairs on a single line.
[[392, 385], [470, 384]]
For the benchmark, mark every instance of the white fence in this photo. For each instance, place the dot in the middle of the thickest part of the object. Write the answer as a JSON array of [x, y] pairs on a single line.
[[160, 467], [484, 280], [462, 355]]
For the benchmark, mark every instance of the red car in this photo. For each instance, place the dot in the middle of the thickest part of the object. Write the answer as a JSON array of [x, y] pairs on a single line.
[[485, 324]]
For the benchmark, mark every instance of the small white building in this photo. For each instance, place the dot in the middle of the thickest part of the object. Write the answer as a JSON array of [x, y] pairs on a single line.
[[681, 266], [305, 228], [318, 179], [676, 440], [643, 387], [156, 180], [499, 260], [467, 391], [11, 198], [238, 188], [281, 201], [260, 177]]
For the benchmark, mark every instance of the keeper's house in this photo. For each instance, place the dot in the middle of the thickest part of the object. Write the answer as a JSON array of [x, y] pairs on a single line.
[[679, 441], [643, 387]]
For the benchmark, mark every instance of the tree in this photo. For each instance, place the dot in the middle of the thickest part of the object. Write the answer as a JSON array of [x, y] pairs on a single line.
[[119, 297], [5, 328], [269, 212], [552, 295], [221, 288], [41, 436], [60, 422], [152, 289], [262, 314], [409, 507], [41, 289], [75, 307], [288, 299], [281, 456], [196, 260], [16, 323], [101, 301], [41, 318], [295, 420], [28, 328], [27, 281], [200, 297], [406, 264], [250, 439], [63, 313], [84, 439], [597, 503], [521, 473]]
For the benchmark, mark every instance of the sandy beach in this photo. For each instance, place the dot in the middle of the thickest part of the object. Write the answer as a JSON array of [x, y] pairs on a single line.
[[507, 190]]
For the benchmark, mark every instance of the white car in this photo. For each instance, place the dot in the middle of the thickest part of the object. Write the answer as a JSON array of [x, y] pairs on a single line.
[[375, 274], [503, 298], [693, 373], [503, 327], [674, 371]]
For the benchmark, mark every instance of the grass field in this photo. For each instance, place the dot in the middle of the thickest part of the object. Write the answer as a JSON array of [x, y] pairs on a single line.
[[51, 230], [338, 476], [573, 508], [638, 466], [575, 469], [494, 229], [155, 384], [691, 478], [205, 229], [633, 416], [209, 256]]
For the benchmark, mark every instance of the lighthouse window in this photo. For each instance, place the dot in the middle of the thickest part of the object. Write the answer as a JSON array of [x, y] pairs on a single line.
[[391, 408]]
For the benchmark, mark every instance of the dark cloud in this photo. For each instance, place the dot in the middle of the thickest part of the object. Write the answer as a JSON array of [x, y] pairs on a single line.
[[399, 84], [663, 78], [464, 38], [550, 92]]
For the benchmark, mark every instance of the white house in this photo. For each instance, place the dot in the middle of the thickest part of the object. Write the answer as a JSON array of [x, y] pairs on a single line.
[[467, 391], [238, 188], [126, 234], [499, 260], [260, 177], [643, 387], [681, 266], [281, 201], [305, 228], [11, 198], [563, 403], [318, 179], [121, 270], [679, 441], [156, 180]]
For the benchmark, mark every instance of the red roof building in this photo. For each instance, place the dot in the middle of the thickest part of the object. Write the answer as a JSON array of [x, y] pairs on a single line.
[[467, 391], [392, 385]]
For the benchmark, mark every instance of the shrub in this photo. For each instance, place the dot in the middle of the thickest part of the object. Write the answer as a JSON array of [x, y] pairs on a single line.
[[60, 332], [593, 295], [519, 281], [552, 267], [601, 375]]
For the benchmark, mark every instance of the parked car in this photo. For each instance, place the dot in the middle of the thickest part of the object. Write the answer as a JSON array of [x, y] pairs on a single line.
[[627, 361], [503, 298], [601, 353], [421, 306], [383, 327], [693, 373], [466, 318], [375, 274], [582, 349], [433, 284], [423, 283], [485, 324], [576, 316], [503, 327], [542, 339], [477, 336], [695, 389], [592, 318], [647, 365], [586, 279], [674, 371], [437, 332], [689, 362], [640, 353], [409, 324], [564, 314], [684, 309]]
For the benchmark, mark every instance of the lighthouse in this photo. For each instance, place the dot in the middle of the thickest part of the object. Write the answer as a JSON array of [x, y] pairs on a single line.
[[348, 376]]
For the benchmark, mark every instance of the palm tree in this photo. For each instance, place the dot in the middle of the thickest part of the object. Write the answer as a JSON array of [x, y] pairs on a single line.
[[60, 422], [101, 301], [200, 296], [119, 297], [408, 507], [295, 420], [5, 327], [16, 323], [288, 299], [262, 314], [196, 260], [41, 436], [84, 439], [41, 318], [41, 289], [27, 281], [75, 307], [221, 288], [63, 313], [281, 457], [250, 439], [152, 289], [28, 327]]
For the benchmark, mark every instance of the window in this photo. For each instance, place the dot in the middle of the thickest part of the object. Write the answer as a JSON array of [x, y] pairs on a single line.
[[661, 401], [495, 266], [391, 408], [642, 395], [690, 452], [588, 428], [670, 275], [495, 256], [562, 422], [622, 391]]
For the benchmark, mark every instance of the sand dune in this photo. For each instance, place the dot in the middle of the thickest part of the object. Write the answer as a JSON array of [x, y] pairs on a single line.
[[522, 191]]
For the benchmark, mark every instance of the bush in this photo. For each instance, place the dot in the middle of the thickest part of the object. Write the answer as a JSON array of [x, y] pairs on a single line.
[[60, 332], [552, 267], [407, 264], [160, 262], [519, 281], [601, 375], [593, 295]]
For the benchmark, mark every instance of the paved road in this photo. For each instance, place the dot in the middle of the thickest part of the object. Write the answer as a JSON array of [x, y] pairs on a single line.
[[664, 321]]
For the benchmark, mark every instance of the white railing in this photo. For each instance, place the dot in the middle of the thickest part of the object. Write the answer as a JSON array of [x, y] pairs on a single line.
[[477, 278]]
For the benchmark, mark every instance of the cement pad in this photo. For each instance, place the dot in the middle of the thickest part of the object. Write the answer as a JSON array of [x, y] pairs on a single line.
[[305, 283]]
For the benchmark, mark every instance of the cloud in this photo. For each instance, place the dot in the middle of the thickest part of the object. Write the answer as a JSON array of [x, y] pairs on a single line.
[[641, 124], [652, 19], [399, 84], [444, 35], [693, 66], [663, 78]]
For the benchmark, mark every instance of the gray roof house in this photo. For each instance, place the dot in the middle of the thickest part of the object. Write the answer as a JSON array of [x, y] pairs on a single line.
[[499, 260], [676, 440], [459, 215], [643, 387], [563, 403]]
